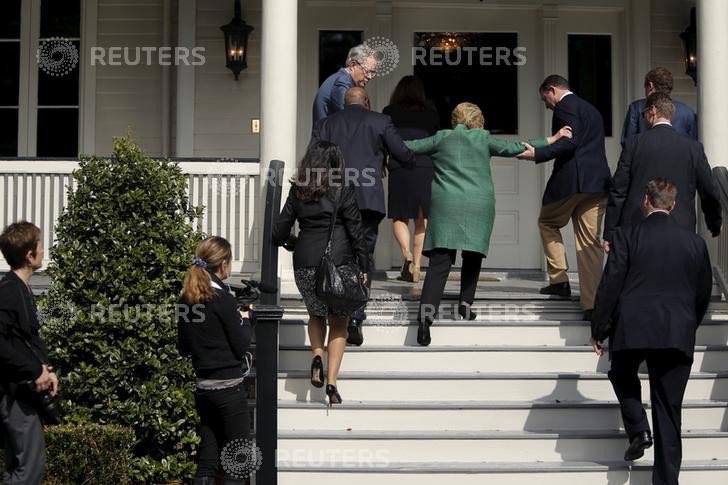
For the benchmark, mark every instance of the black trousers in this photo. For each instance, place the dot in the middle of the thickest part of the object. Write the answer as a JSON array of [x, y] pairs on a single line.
[[21, 434], [223, 418], [370, 223], [438, 269], [669, 371]]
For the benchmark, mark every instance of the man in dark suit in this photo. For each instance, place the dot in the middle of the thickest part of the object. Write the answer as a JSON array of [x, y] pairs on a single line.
[[659, 80], [662, 151], [653, 295], [576, 191], [365, 138]]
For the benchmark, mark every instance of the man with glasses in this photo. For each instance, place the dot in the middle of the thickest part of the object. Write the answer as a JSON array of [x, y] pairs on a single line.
[[361, 66], [662, 151]]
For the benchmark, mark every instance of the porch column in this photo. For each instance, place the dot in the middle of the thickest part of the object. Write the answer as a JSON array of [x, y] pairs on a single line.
[[712, 16], [278, 101]]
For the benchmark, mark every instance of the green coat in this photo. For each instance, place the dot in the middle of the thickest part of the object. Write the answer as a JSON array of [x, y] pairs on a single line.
[[463, 200]]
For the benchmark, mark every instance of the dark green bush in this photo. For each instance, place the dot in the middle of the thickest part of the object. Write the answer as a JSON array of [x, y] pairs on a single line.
[[122, 248], [87, 454]]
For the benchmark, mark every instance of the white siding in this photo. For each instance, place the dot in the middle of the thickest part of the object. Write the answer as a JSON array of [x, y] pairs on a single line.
[[669, 19], [129, 97], [224, 107]]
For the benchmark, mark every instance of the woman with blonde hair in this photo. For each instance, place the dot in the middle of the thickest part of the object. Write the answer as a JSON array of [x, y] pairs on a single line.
[[462, 209], [216, 335]]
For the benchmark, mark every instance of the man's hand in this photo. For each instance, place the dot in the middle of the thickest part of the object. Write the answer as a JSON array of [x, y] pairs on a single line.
[[44, 380], [364, 278], [528, 154], [54, 384], [597, 348], [607, 247]]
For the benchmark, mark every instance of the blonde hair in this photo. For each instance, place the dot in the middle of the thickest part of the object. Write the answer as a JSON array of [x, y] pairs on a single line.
[[467, 114], [210, 255]]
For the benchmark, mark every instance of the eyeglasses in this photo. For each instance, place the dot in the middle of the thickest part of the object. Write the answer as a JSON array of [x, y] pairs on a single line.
[[367, 72]]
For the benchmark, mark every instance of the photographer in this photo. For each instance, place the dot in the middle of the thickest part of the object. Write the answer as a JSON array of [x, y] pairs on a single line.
[[216, 335], [25, 373]]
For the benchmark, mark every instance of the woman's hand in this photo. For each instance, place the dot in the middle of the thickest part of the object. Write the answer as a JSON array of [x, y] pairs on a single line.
[[565, 132], [528, 154]]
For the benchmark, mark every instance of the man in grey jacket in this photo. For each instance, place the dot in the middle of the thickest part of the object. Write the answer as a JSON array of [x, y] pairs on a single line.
[[361, 65]]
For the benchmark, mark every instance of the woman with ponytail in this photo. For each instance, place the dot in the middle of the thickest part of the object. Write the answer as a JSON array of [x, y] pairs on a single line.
[[216, 335]]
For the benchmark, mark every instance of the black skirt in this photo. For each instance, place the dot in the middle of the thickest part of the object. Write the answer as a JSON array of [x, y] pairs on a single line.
[[409, 190]]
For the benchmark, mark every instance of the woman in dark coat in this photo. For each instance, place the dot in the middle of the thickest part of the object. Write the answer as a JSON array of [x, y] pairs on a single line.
[[317, 190], [409, 188]]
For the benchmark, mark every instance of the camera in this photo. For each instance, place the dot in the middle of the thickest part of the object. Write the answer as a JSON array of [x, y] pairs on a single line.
[[47, 405]]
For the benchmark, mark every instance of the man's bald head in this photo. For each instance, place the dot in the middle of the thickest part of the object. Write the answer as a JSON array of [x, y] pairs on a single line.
[[356, 95]]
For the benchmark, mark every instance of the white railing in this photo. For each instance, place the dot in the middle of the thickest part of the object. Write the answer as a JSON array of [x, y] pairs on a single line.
[[37, 191]]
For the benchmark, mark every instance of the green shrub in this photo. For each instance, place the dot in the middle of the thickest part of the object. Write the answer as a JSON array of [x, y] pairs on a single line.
[[123, 245], [87, 454]]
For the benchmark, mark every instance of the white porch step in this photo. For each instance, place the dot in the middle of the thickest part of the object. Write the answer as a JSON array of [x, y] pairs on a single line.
[[481, 386], [379, 331], [482, 359], [492, 473], [500, 446], [480, 416]]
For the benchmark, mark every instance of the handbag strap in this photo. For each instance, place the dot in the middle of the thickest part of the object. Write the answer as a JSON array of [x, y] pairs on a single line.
[[337, 199]]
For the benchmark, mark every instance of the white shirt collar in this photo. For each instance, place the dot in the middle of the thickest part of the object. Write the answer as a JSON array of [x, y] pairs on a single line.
[[662, 123], [565, 95], [215, 285], [659, 210]]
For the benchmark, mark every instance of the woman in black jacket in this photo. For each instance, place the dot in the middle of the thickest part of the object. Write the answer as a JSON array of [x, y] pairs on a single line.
[[317, 189], [216, 335]]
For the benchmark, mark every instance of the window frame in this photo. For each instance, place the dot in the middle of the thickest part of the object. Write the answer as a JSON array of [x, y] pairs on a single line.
[[28, 94]]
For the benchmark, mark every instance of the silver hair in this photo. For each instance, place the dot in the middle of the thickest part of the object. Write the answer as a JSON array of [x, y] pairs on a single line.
[[359, 54]]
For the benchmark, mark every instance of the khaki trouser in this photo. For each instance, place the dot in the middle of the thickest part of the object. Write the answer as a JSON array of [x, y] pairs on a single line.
[[586, 211]]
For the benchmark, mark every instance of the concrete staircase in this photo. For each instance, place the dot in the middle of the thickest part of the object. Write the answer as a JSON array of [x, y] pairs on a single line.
[[515, 397]]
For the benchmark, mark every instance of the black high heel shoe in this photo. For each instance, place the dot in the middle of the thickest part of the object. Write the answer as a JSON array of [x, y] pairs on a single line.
[[423, 333], [317, 372], [333, 393], [466, 312]]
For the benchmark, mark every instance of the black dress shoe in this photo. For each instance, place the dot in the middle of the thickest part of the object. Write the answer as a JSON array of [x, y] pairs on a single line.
[[423, 333], [466, 312], [333, 394], [355, 335], [559, 289], [637, 445]]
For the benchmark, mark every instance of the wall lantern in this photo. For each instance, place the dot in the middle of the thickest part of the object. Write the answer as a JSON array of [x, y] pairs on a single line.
[[236, 42], [689, 37]]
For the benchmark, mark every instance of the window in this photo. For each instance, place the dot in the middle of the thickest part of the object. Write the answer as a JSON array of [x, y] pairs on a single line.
[[58, 78], [590, 72], [480, 68], [334, 45], [41, 116], [9, 77]]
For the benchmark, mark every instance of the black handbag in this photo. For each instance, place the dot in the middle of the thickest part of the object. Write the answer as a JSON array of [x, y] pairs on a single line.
[[340, 287]]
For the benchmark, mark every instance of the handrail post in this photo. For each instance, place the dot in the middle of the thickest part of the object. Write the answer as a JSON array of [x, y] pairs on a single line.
[[266, 318]]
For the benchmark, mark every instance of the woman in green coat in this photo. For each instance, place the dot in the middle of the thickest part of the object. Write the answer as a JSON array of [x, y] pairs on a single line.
[[462, 210]]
